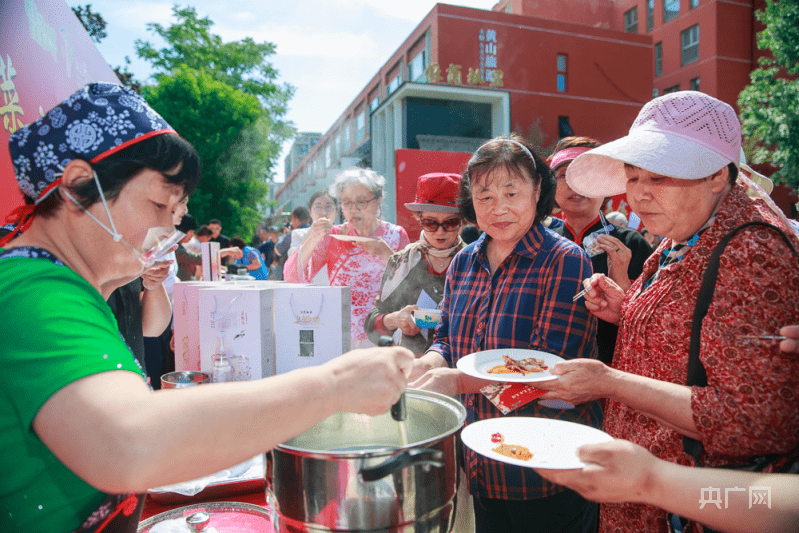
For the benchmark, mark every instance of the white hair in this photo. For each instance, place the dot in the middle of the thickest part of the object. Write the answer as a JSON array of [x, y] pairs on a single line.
[[358, 176], [618, 218]]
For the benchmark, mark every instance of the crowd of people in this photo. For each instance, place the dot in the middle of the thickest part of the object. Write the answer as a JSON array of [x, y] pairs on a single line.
[[669, 349]]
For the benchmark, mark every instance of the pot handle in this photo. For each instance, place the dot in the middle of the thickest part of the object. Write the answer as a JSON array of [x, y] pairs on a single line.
[[417, 456]]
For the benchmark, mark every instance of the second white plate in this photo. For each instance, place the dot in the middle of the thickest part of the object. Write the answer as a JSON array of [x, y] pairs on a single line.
[[553, 443], [479, 363]]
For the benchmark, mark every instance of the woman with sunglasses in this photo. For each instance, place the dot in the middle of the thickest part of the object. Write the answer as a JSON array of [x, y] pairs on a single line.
[[422, 266], [355, 253]]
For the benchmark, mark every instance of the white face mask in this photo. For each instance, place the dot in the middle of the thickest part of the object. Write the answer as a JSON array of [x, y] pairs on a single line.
[[157, 242]]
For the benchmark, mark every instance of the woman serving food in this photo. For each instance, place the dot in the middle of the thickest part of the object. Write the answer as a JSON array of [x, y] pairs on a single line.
[[83, 435]]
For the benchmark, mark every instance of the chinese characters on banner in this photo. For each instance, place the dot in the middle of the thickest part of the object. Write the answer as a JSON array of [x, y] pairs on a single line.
[[45, 55], [11, 111]]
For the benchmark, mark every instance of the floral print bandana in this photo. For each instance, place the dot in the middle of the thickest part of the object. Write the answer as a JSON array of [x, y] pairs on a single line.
[[93, 123]]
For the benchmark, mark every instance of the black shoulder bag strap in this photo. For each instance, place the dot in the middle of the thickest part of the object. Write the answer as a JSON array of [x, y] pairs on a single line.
[[696, 370]]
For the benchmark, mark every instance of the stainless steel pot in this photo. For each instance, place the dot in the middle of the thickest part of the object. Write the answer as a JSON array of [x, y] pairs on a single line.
[[357, 473]]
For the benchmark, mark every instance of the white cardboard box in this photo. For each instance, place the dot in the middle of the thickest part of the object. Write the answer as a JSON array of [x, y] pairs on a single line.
[[185, 308], [313, 325], [243, 316], [274, 327]]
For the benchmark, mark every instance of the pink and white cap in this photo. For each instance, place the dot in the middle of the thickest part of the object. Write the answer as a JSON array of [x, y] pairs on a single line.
[[686, 135]]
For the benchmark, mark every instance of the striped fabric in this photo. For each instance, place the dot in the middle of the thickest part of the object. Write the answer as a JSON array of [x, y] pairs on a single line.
[[526, 305]]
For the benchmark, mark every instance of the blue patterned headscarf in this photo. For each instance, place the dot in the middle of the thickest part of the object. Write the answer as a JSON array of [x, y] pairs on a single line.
[[93, 123]]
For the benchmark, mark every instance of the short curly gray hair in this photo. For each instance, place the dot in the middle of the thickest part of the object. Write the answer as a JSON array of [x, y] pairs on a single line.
[[359, 176]]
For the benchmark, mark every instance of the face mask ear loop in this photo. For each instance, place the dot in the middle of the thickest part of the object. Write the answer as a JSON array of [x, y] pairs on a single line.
[[116, 235]]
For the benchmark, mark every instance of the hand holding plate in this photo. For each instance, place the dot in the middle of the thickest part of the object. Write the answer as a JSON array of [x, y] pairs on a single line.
[[579, 381], [616, 471]]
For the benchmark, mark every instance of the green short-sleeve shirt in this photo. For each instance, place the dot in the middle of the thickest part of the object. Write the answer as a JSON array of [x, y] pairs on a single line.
[[55, 329]]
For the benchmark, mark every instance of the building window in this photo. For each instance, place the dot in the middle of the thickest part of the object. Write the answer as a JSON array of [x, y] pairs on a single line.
[[509, 8], [631, 20], [671, 9], [564, 128], [650, 15], [693, 3], [345, 138], [328, 159], [658, 59], [360, 125], [695, 84], [562, 73], [416, 67], [673, 89], [374, 99], [690, 44]]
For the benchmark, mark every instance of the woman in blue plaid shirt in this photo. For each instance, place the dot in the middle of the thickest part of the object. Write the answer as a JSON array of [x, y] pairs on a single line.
[[513, 288]]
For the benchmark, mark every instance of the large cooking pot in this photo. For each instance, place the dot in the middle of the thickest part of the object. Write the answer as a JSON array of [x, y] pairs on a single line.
[[360, 473]]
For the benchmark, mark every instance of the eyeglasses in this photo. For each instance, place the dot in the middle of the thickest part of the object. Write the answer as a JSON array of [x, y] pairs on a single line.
[[360, 204], [323, 207], [451, 224]]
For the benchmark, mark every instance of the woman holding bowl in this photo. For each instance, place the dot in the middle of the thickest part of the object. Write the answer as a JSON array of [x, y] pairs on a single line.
[[355, 252], [679, 167], [422, 266], [513, 288], [83, 435], [321, 205]]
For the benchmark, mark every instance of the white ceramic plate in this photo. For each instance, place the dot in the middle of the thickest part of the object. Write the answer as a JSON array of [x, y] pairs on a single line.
[[479, 363], [553, 443], [353, 238]]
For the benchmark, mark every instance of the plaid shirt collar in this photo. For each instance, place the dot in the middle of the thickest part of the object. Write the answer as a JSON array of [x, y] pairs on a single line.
[[528, 246]]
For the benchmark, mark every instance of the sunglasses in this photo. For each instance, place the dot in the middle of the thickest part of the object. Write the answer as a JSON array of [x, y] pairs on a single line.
[[451, 224]]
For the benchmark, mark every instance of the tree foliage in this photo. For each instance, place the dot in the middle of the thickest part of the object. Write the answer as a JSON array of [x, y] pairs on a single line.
[[770, 103], [228, 128], [225, 99], [93, 22]]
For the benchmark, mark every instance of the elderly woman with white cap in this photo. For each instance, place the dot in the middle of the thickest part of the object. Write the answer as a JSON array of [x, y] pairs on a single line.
[[83, 435], [696, 376], [421, 267]]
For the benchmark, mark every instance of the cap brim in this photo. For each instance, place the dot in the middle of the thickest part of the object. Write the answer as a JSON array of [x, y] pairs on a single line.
[[600, 172], [765, 183], [432, 208]]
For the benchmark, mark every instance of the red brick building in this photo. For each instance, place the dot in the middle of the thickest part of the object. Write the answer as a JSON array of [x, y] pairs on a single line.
[[543, 68]]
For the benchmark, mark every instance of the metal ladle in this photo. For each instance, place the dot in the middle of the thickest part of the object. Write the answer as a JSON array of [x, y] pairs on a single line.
[[399, 411]]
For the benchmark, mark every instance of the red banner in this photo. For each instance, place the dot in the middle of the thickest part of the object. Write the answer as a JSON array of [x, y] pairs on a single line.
[[45, 55], [410, 164]]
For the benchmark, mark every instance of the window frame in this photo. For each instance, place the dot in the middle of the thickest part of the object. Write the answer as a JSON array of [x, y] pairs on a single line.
[[650, 15], [666, 13], [630, 25], [562, 74], [690, 46], [658, 59]]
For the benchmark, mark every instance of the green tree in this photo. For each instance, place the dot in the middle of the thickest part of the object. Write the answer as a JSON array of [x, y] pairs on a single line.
[[93, 22], [770, 103], [195, 72], [228, 128]]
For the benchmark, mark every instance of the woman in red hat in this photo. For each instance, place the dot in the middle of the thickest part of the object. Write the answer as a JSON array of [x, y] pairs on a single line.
[[414, 277]]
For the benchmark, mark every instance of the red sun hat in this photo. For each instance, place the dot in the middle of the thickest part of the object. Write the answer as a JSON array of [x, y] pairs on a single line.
[[437, 192]]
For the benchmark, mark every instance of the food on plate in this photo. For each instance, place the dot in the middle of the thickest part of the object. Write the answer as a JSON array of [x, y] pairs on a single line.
[[510, 450], [522, 366]]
